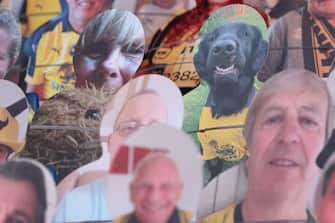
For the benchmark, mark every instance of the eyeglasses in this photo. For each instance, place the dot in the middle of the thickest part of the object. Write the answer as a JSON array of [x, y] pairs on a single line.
[[126, 128]]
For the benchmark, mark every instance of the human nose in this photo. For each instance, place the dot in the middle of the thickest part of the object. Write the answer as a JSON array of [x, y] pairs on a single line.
[[111, 65], [3, 215], [289, 133], [154, 194]]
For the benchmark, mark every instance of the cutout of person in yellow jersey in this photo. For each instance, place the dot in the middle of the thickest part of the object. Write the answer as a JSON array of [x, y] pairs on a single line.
[[50, 48]]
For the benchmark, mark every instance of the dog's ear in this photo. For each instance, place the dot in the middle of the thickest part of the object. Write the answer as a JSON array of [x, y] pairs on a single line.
[[260, 49], [200, 59]]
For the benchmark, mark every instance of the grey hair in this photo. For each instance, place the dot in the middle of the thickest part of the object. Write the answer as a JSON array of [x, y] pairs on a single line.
[[288, 80], [154, 156], [8, 22], [114, 25]]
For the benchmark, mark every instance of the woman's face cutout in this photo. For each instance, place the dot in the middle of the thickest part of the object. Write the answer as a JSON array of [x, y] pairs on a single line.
[[109, 51], [109, 64]]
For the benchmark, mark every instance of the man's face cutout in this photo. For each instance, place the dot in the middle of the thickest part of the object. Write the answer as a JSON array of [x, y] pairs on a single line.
[[288, 134], [156, 190], [18, 201], [27, 192], [84, 10], [150, 109]]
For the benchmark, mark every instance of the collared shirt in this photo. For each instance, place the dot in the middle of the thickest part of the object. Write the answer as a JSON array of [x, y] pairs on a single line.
[[178, 216], [233, 214]]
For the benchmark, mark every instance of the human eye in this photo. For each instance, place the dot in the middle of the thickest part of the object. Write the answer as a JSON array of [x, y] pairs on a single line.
[[272, 119], [134, 50], [94, 56], [145, 187], [308, 122], [96, 51], [166, 187]]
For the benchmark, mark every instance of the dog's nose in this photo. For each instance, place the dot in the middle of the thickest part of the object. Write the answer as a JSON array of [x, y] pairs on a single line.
[[226, 47]]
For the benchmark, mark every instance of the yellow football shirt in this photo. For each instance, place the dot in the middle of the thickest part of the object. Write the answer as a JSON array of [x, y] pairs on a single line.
[[227, 144], [224, 216], [50, 57]]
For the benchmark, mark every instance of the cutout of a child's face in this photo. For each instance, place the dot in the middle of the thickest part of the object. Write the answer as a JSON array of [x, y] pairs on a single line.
[[109, 61]]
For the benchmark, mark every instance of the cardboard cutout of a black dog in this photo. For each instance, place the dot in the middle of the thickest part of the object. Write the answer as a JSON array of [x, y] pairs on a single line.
[[228, 59]]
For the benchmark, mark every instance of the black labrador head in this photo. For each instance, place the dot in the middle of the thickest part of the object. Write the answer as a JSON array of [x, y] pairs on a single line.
[[228, 59]]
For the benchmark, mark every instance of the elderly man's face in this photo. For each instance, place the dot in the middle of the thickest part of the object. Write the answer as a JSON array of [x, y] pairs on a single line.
[[141, 110], [324, 8], [155, 191], [288, 134], [326, 206], [5, 62], [17, 201]]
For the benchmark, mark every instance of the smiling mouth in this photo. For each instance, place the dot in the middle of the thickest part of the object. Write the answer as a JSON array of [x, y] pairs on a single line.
[[283, 163], [225, 71], [85, 3], [153, 208]]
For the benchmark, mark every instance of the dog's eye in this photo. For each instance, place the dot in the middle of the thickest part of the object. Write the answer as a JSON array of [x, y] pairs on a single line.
[[211, 38], [92, 114], [246, 34]]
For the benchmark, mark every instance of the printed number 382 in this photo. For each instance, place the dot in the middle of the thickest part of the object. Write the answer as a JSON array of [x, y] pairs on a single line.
[[184, 76]]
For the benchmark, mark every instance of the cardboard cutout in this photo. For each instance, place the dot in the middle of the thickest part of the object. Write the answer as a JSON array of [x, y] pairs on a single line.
[[322, 199], [227, 188], [229, 55], [13, 119], [109, 51], [172, 49], [166, 91], [64, 133], [156, 14], [154, 98], [27, 187], [165, 140], [108, 197], [329, 148]]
